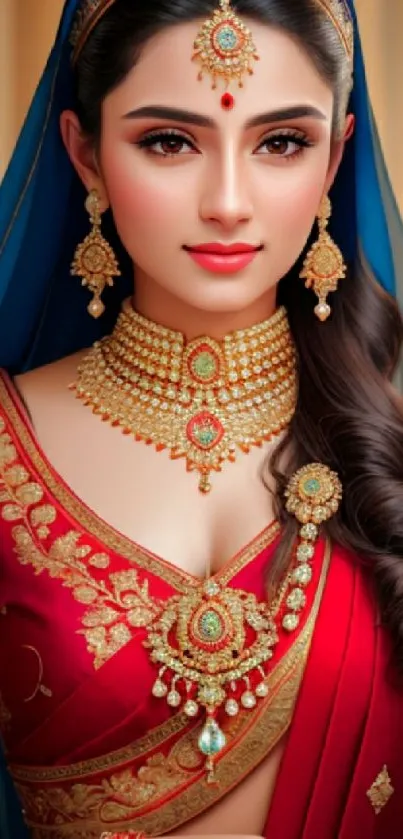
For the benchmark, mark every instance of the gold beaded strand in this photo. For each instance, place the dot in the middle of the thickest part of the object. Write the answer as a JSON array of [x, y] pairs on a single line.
[[203, 400]]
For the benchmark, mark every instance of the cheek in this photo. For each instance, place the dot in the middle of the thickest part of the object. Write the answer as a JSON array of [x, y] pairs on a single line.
[[290, 208], [295, 199], [142, 201]]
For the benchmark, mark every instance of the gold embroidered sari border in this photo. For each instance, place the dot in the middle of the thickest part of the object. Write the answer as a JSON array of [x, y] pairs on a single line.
[[105, 533], [154, 739], [257, 734], [269, 724]]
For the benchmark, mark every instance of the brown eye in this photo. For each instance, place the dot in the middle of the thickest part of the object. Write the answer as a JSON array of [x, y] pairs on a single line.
[[278, 146], [173, 145], [283, 145], [166, 144]]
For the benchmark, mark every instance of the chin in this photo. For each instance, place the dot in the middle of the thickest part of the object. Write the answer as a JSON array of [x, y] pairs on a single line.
[[232, 299]]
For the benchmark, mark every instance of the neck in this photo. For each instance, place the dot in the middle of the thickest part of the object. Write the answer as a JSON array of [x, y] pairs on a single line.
[[161, 306], [202, 399]]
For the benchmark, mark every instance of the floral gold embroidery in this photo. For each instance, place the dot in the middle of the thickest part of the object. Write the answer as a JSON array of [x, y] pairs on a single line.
[[113, 799], [143, 796], [116, 606], [117, 542], [114, 795], [381, 791]]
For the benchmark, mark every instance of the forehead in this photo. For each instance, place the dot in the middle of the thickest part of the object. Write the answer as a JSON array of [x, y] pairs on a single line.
[[166, 75]]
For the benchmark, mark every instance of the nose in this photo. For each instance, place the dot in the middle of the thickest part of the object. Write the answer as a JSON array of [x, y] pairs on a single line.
[[225, 196]]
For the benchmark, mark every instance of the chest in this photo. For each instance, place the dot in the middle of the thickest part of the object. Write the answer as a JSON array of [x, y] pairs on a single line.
[[152, 499]]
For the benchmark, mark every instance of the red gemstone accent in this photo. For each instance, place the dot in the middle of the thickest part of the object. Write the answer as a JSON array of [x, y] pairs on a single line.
[[204, 431], [227, 101]]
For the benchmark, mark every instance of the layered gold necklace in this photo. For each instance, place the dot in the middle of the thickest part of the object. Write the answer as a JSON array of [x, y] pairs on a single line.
[[202, 400]]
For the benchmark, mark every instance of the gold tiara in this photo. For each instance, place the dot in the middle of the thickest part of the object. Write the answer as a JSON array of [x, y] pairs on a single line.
[[91, 12]]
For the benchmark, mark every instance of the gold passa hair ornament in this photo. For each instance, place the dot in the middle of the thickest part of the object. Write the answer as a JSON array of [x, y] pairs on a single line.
[[340, 15], [90, 13]]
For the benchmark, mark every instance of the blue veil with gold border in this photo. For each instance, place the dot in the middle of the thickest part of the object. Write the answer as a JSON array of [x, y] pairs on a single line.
[[42, 218]]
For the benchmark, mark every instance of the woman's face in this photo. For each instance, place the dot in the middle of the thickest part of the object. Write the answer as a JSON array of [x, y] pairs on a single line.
[[199, 174]]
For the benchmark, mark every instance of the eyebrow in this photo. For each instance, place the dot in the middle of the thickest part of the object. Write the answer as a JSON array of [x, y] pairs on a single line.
[[192, 118]]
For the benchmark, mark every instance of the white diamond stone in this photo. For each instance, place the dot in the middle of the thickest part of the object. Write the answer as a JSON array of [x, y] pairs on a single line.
[[320, 514], [232, 707], [211, 588], [302, 575], [248, 699], [191, 708], [262, 690], [309, 531], [290, 622], [305, 552], [296, 600], [160, 689], [174, 699]]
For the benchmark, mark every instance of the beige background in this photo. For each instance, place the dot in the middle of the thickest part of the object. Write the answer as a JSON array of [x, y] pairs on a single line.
[[28, 26]]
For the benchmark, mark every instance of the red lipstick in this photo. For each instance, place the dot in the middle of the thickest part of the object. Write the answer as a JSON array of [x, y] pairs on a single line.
[[223, 259]]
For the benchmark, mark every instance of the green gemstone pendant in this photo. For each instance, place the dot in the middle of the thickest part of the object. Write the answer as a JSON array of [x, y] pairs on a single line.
[[212, 740]]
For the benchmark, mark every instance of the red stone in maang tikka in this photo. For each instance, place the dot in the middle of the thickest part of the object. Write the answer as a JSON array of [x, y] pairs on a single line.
[[227, 101]]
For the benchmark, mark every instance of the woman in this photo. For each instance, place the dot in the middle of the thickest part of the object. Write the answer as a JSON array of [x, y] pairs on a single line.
[[163, 668]]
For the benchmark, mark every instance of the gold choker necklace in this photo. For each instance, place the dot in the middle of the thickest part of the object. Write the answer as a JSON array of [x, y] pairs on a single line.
[[201, 400]]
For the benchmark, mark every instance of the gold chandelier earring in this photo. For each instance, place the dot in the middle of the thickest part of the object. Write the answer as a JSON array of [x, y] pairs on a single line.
[[94, 260], [324, 264]]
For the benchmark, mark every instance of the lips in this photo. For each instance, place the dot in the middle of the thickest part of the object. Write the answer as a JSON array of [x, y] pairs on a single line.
[[217, 258], [224, 250]]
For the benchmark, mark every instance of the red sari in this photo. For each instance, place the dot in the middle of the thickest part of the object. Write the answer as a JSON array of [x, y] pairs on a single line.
[[88, 746]]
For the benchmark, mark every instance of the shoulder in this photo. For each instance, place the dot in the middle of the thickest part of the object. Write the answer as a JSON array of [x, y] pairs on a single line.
[[46, 387], [50, 378]]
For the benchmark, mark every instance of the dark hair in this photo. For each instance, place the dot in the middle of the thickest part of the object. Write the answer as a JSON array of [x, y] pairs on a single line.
[[348, 414]]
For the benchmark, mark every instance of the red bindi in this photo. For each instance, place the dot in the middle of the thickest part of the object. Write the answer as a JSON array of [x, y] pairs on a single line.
[[227, 101]]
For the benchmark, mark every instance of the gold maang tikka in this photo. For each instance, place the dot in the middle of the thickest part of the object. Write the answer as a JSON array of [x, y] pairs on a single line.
[[324, 264], [225, 50], [94, 260]]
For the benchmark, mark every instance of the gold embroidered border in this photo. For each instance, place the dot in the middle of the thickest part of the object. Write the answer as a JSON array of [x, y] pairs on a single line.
[[268, 725], [176, 577], [94, 766], [115, 605], [255, 735]]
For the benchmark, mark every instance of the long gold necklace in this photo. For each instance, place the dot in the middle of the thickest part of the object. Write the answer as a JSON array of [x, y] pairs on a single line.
[[202, 400], [212, 644]]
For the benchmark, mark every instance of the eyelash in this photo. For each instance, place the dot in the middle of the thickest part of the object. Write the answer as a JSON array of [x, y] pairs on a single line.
[[153, 139]]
